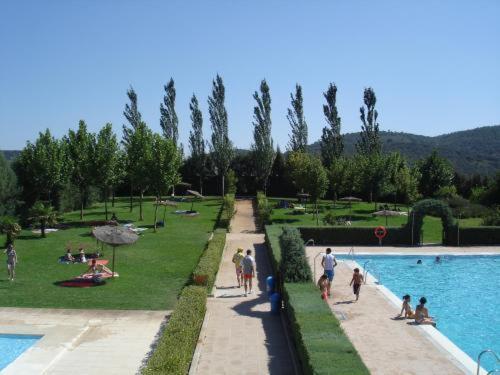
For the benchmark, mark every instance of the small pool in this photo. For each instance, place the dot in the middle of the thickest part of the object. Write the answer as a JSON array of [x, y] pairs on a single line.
[[461, 291], [12, 346]]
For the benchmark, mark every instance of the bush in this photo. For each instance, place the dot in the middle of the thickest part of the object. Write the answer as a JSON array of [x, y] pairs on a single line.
[[226, 212], [493, 219], [176, 346], [465, 209], [206, 270], [294, 267], [10, 227], [264, 210], [355, 235], [329, 218]]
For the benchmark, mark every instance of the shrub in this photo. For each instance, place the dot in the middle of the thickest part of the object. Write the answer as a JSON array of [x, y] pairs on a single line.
[[493, 219], [176, 346], [329, 218], [9, 227], [264, 210], [294, 267], [206, 270], [227, 212]]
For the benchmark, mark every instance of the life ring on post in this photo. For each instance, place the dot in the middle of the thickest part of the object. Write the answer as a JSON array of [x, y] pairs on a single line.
[[380, 232]]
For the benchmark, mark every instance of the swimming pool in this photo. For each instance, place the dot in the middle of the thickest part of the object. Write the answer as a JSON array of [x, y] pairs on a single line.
[[461, 291], [12, 346]]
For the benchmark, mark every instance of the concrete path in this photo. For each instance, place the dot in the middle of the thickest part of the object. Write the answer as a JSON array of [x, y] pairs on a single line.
[[82, 341], [386, 346], [240, 336]]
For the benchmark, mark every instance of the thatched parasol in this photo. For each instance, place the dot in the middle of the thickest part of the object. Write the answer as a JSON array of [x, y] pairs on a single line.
[[387, 213], [350, 200], [114, 236], [195, 194]]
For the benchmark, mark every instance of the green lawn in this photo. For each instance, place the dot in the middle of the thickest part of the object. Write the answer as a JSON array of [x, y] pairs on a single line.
[[361, 215], [152, 271]]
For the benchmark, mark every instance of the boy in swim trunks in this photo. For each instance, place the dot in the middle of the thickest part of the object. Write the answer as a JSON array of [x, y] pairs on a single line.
[[248, 264], [357, 279], [237, 258]]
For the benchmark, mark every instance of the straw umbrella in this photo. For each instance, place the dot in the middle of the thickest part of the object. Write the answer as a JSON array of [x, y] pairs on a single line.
[[165, 204], [350, 199], [114, 236], [386, 213], [195, 194]]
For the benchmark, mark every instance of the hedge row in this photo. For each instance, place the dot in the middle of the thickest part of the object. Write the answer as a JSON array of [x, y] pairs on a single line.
[[464, 236], [206, 270], [355, 235], [322, 346], [264, 210], [176, 346], [226, 212]]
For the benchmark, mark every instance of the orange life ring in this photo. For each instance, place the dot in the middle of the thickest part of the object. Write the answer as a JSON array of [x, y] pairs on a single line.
[[380, 232]]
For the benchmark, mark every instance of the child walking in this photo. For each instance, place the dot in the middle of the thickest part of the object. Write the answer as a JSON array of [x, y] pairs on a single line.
[[323, 286], [357, 279]]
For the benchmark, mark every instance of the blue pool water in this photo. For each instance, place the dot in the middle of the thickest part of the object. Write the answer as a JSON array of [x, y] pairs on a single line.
[[462, 294], [12, 346]]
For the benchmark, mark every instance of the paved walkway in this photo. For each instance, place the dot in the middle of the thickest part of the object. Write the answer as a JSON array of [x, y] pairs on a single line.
[[386, 346], [82, 341], [240, 336]]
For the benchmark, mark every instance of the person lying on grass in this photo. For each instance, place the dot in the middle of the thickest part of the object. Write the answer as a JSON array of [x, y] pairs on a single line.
[[422, 314], [406, 308], [96, 268]]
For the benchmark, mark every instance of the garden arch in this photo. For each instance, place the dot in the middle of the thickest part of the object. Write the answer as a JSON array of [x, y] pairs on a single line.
[[432, 207]]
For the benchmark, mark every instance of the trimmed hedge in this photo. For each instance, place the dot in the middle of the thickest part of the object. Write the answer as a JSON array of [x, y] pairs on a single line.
[[355, 235], [264, 210], [322, 346], [176, 347], [226, 212], [472, 236], [206, 270], [294, 267]]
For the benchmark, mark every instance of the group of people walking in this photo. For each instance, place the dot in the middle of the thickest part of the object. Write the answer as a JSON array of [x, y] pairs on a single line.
[[245, 269]]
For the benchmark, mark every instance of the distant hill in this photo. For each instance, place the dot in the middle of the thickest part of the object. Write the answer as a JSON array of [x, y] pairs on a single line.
[[470, 151], [10, 154]]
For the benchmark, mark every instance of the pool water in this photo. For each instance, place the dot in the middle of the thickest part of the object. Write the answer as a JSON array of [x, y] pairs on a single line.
[[12, 346], [461, 291]]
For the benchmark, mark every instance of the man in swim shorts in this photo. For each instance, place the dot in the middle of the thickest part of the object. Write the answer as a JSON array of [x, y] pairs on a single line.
[[248, 265], [11, 261], [329, 263]]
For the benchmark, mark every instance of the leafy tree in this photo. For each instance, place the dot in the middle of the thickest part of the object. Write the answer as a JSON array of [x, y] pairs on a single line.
[[8, 187], [332, 143], [168, 120], [295, 116], [139, 155], [232, 181], [41, 169], [106, 162], [371, 179], [9, 227], [163, 167], [491, 195], [340, 177], [196, 142], [134, 119], [222, 151], [278, 178], [436, 173], [370, 141], [294, 266], [402, 181], [263, 150], [44, 214], [309, 176], [80, 147]]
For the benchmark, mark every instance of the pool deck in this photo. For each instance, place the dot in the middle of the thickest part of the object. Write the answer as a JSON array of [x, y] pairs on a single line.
[[82, 341], [389, 346]]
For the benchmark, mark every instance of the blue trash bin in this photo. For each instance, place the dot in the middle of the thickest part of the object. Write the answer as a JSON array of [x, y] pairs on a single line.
[[270, 286], [275, 303]]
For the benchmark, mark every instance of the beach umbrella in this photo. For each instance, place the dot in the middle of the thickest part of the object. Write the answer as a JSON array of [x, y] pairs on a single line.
[[165, 204], [387, 213], [195, 194], [350, 200], [114, 236]]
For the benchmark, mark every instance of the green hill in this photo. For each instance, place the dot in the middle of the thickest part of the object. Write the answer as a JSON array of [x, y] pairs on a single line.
[[470, 151]]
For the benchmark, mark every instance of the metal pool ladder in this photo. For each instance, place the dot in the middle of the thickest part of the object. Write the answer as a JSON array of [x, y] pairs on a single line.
[[374, 272], [351, 253], [479, 360], [309, 241]]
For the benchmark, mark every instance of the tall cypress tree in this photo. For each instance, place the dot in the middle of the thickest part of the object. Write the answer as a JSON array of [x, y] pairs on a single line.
[[262, 148], [168, 120], [370, 143], [132, 115], [221, 147], [295, 116], [332, 143], [196, 142]]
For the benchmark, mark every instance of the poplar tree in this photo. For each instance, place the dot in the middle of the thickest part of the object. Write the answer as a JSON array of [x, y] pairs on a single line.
[[221, 147], [262, 148], [369, 143], [332, 143], [295, 116], [196, 142], [168, 120]]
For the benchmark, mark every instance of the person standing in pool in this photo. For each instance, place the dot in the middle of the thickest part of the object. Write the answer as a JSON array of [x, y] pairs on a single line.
[[422, 314], [329, 263], [11, 261]]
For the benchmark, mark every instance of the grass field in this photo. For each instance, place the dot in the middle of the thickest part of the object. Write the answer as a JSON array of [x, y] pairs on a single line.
[[152, 271], [360, 215]]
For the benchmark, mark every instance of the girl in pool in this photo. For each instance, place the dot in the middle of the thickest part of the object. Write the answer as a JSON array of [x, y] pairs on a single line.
[[406, 308], [422, 314]]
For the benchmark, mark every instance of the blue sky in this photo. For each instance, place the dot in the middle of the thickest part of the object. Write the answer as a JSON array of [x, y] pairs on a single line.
[[434, 65]]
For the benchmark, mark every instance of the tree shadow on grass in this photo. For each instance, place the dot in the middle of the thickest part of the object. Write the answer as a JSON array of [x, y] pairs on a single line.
[[285, 221], [29, 237]]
